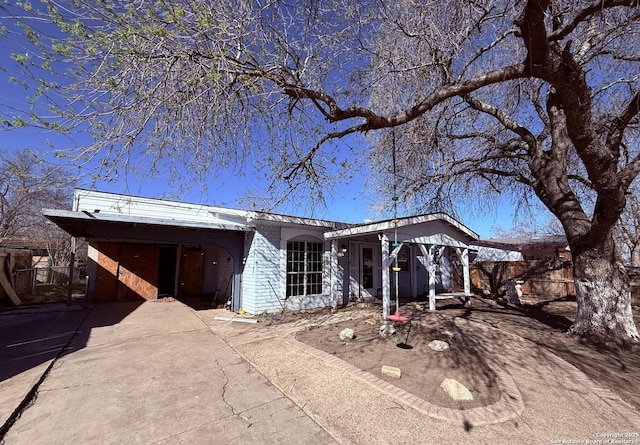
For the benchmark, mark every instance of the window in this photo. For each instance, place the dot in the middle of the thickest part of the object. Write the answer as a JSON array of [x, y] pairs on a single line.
[[304, 268]]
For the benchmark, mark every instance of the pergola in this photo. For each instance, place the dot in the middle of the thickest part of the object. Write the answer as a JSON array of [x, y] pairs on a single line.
[[432, 233]]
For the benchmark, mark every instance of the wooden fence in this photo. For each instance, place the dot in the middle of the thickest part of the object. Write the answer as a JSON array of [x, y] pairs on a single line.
[[539, 279]]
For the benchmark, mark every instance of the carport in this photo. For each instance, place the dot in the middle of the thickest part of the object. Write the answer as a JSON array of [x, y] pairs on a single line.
[[135, 257]]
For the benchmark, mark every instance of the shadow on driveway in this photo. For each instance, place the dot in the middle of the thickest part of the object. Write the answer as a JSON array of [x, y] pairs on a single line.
[[32, 339]]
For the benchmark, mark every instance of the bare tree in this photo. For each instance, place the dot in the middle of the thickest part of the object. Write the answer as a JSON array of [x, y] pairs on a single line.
[[536, 100], [27, 185]]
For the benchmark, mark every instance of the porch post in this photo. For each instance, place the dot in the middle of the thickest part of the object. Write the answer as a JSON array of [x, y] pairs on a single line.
[[464, 256], [386, 285], [413, 272], [431, 268], [333, 268]]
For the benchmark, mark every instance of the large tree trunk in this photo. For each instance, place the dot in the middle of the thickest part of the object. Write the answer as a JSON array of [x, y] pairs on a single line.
[[604, 297]]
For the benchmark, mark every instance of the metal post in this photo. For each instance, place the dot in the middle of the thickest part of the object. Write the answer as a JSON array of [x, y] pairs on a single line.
[[71, 269]]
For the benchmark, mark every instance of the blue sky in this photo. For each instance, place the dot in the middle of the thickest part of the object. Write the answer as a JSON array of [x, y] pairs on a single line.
[[350, 202]]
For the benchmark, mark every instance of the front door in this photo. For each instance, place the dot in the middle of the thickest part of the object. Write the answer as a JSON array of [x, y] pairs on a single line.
[[369, 271]]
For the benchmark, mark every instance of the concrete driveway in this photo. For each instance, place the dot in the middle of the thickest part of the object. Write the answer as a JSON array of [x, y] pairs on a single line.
[[160, 372], [135, 373]]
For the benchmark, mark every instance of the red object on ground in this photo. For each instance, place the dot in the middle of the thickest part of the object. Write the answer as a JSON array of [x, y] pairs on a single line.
[[398, 317]]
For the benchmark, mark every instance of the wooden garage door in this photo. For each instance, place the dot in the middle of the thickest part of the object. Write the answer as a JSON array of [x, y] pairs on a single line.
[[107, 274], [138, 272]]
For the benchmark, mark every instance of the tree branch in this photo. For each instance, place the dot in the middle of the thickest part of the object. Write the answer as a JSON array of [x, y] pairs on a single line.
[[616, 132], [504, 119], [581, 16]]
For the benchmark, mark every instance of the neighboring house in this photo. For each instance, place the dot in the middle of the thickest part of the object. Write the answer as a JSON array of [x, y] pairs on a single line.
[[142, 248]]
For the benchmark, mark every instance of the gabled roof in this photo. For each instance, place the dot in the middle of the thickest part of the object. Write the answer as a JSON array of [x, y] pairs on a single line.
[[433, 228]]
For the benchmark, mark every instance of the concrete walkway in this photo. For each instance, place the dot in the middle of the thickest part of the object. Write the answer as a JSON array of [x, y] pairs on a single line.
[[160, 372], [149, 373]]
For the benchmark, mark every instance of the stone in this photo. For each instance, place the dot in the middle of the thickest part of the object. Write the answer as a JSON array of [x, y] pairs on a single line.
[[391, 371], [387, 330], [346, 334], [456, 390], [439, 345]]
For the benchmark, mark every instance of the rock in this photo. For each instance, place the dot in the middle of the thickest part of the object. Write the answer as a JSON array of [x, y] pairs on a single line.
[[391, 371], [439, 345], [346, 334], [456, 390], [387, 330]]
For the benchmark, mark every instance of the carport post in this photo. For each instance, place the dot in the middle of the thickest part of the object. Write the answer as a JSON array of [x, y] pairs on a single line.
[[72, 263]]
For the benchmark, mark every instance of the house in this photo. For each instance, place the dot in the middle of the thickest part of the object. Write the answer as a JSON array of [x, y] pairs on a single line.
[[141, 248]]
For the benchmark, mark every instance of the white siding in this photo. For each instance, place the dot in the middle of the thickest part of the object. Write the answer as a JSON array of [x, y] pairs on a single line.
[[262, 271], [264, 278]]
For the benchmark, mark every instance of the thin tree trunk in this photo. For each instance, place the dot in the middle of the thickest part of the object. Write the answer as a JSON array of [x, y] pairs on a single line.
[[604, 299]]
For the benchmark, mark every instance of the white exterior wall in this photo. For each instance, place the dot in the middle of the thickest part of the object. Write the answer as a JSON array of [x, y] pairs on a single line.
[[443, 278], [264, 277], [262, 271]]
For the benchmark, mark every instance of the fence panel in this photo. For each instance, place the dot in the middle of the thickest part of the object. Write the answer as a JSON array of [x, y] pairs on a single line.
[[32, 281], [540, 278], [23, 281]]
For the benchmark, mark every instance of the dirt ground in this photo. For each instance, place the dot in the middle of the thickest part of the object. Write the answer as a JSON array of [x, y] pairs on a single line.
[[544, 323], [423, 369]]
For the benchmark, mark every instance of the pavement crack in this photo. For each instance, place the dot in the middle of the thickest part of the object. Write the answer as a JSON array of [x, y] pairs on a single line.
[[225, 388], [225, 398]]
